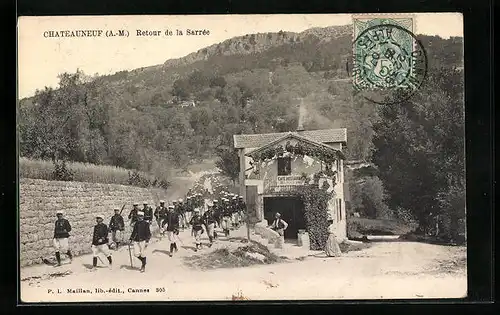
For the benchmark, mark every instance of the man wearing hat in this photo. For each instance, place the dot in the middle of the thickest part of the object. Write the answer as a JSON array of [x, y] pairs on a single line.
[[148, 212], [141, 234], [172, 222], [117, 226], [61, 235], [234, 212], [189, 207], [226, 216], [217, 211], [242, 209], [279, 225], [210, 221], [160, 215], [197, 201], [132, 216], [100, 241], [181, 212], [197, 224]]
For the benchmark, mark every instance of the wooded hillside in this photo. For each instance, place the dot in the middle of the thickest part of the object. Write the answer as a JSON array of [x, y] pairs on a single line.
[[135, 119]]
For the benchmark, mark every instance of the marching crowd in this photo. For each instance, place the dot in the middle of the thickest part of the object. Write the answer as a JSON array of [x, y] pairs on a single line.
[[228, 212]]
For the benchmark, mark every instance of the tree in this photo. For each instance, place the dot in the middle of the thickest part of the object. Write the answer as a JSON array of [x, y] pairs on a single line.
[[228, 163], [181, 89], [218, 81], [419, 148]]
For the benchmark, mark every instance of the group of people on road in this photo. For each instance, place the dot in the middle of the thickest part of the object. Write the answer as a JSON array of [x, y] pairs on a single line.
[[227, 213]]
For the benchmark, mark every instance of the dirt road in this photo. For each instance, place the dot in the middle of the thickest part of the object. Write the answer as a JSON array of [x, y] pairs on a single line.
[[386, 270]]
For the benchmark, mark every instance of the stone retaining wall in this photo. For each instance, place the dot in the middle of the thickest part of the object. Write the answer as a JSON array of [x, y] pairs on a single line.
[[40, 199]]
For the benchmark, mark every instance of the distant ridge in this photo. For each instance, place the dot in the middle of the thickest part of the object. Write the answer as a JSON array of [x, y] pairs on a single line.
[[255, 43]]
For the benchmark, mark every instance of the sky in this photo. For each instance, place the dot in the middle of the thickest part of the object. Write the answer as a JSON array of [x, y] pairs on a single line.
[[41, 59]]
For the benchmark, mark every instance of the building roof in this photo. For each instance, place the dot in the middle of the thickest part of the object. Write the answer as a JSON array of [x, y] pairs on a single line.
[[261, 139], [294, 135]]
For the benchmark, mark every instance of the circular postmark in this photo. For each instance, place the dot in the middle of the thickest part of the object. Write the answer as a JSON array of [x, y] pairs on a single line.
[[390, 64]]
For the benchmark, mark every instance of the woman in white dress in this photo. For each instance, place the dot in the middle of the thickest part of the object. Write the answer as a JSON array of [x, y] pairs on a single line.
[[332, 246]]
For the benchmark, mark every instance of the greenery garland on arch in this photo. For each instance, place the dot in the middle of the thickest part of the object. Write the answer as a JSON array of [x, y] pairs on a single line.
[[326, 155]]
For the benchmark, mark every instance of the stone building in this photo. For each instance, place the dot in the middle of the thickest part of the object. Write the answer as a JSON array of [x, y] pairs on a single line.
[[274, 165]]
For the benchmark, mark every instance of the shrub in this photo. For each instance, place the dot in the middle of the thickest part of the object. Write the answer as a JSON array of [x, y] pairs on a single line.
[[452, 218], [358, 227], [353, 230], [405, 216], [62, 172]]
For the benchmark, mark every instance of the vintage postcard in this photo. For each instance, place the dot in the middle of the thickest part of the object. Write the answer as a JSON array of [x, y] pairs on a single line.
[[241, 157]]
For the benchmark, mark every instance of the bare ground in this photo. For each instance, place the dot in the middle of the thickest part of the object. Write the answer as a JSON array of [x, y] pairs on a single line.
[[385, 270]]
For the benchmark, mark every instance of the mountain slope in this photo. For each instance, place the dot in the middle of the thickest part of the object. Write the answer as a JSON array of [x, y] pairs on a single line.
[[257, 43], [247, 84]]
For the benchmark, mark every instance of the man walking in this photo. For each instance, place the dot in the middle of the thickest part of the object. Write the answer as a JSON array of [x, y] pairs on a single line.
[[141, 234], [117, 226], [242, 208], [100, 242], [148, 212], [209, 220], [172, 221], [234, 212], [181, 212], [132, 216], [160, 215], [226, 216], [197, 227], [189, 207], [217, 212], [200, 201], [61, 235]]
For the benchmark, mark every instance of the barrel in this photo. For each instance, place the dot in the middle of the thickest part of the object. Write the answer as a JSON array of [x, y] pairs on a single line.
[[306, 243], [301, 237]]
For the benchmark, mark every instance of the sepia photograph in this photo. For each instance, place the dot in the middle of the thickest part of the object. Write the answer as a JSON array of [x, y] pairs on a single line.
[[241, 157]]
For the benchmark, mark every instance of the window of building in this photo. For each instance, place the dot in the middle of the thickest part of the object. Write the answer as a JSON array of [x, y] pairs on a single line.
[[284, 166]]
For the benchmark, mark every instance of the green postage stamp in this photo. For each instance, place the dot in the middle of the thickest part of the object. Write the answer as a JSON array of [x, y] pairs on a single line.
[[389, 63]]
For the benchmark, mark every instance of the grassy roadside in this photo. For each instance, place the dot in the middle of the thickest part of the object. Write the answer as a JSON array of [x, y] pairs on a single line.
[[86, 172]]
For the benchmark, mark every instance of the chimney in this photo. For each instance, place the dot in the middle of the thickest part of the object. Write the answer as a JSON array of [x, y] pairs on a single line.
[[302, 111]]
